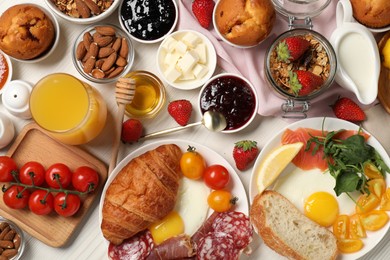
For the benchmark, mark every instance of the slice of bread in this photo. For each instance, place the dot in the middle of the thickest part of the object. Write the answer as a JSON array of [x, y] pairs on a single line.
[[287, 231]]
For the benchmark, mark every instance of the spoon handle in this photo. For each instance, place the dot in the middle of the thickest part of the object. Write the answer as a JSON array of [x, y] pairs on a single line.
[[170, 130]]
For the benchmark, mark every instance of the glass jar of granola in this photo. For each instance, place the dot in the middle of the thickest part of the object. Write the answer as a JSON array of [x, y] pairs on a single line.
[[301, 63]]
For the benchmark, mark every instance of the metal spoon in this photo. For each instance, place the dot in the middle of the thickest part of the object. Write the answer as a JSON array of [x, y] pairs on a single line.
[[212, 120]]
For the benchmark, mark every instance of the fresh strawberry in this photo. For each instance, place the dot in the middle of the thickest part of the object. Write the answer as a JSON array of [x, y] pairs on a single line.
[[180, 110], [347, 109], [303, 82], [131, 130], [203, 11], [244, 153], [292, 48]]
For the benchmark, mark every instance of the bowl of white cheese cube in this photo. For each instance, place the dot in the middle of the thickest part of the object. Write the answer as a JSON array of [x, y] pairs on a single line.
[[186, 59]]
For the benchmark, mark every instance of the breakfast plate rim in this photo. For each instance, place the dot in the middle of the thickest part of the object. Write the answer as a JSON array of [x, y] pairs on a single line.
[[210, 156], [330, 123]]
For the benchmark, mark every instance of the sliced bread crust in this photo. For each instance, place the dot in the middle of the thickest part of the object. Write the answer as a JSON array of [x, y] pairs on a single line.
[[288, 232]]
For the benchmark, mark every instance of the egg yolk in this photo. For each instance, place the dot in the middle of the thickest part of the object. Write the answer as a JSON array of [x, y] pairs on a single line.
[[322, 207], [170, 226]]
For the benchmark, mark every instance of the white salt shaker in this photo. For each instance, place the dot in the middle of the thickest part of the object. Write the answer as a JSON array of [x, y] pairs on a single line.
[[7, 130], [16, 98]]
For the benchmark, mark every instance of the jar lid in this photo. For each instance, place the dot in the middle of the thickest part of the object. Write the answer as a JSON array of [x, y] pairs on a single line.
[[16, 98], [300, 8]]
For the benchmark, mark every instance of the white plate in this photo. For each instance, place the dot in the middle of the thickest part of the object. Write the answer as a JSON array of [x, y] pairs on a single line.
[[373, 238], [235, 185], [188, 84]]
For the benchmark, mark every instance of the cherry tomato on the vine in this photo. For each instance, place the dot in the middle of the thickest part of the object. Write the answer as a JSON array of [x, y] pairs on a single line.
[[192, 164], [216, 176], [41, 202], [16, 197], [32, 172], [66, 205], [7, 166], [58, 175], [85, 179], [221, 200]]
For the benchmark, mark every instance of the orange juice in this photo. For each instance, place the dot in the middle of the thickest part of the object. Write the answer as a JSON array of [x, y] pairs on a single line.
[[71, 110], [149, 95]]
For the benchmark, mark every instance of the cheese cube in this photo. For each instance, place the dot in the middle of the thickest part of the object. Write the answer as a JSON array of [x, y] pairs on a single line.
[[190, 39], [201, 50], [169, 45], [171, 58], [181, 47], [188, 61], [188, 76], [200, 70], [172, 73]]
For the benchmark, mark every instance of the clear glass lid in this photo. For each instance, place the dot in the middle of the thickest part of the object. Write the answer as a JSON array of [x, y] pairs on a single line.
[[300, 8]]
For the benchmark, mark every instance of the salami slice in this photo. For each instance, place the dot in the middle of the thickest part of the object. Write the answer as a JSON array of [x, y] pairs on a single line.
[[137, 247], [237, 225], [216, 246]]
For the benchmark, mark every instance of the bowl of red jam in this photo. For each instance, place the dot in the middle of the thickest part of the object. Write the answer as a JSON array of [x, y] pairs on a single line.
[[233, 96], [148, 21]]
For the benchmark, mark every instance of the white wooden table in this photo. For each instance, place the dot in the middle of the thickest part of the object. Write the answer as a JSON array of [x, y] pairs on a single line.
[[87, 242]]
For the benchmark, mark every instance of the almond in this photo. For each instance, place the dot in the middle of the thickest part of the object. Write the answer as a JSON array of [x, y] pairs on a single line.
[[93, 6], [110, 70], [96, 35], [94, 49], [109, 62], [80, 51], [98, 73], [103, 40], [83, 9], [87, 39], [89, 64], [115, 72], [105, 52], [117, 44], [99, 63], [121, 62], [124, 51], [106, 30]]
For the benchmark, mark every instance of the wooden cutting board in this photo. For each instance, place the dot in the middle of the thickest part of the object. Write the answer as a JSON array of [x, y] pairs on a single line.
[[33, 144], [384, 78]]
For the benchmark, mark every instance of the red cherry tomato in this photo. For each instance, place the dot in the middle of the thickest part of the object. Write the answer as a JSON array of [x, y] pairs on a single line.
[[85, 179], [66, 205], [41, 202], [216, 177], [16, 197], [32, 171], [58, 174], [7, 166]]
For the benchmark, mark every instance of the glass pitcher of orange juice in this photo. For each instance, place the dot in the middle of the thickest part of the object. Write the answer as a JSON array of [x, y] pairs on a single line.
[[69, 109]]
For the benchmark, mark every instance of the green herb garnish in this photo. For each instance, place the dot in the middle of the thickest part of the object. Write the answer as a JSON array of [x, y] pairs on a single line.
[[345, 159]]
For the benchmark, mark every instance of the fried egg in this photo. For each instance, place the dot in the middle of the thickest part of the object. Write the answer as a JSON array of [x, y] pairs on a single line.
[[312, 193], [190, 211]]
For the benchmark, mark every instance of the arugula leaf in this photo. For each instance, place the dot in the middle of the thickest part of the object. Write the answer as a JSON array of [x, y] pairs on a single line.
[[347, 181]]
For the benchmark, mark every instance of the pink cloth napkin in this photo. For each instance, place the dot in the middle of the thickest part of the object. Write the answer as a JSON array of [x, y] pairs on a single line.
[[250, 62]]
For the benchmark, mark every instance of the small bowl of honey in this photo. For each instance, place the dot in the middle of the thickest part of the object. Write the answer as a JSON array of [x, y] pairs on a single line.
[[149, 95]]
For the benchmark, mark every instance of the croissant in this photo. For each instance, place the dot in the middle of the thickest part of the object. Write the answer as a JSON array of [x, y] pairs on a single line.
[[143, 192]]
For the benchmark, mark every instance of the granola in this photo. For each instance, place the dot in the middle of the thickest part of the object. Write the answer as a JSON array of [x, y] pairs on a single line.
[[315, 60], [70, 7]]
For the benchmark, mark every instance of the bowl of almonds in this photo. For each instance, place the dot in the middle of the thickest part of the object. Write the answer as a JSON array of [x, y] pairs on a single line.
[[102, 53], [12, 241], [83, 11]]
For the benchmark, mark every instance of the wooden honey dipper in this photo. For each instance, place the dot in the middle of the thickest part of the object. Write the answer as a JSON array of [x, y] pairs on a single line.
[[124, 94]]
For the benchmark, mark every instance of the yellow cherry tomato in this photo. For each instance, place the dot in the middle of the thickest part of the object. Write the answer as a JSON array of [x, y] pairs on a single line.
[[341, 227], [221, 200], [356, 229], [374, 220], [371, 171], [377, 187], [366, 203], [385, 201], [349, 245], [192, 164]]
